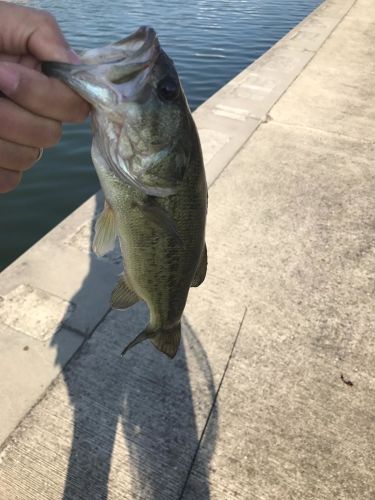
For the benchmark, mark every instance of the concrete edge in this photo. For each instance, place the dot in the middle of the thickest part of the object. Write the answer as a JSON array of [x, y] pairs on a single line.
[[62, 290]]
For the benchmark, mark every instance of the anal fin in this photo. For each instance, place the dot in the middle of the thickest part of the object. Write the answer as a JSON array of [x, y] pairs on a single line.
[[105, 232], [160, 217]]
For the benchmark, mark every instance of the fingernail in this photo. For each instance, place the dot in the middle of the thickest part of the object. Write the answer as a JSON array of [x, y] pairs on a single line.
[[9, 79]]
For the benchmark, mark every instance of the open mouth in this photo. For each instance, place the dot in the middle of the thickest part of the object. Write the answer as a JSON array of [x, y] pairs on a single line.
[[138, 46]]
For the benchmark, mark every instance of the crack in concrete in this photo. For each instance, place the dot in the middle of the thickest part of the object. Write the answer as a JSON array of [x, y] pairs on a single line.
[[213, 405]]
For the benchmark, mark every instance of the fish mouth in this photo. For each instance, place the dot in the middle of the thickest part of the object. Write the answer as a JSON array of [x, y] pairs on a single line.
[[112, 74], [137, 45]]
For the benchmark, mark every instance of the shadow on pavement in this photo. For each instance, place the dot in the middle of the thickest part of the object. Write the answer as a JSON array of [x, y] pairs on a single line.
[[135, 431]]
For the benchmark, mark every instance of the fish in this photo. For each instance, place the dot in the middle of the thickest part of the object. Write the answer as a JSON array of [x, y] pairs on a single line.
[[148, 157]]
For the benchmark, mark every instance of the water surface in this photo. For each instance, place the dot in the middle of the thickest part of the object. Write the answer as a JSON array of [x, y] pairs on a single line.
[[210, 41]]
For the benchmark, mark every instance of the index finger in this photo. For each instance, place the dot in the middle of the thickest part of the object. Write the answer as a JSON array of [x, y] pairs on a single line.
[[41, 95], [31, 31]]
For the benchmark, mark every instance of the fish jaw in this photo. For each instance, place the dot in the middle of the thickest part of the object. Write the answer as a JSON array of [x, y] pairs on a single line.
[[113, 74], [80, 79]]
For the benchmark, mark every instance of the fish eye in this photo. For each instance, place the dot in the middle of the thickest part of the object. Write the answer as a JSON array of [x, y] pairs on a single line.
[[168, 89]]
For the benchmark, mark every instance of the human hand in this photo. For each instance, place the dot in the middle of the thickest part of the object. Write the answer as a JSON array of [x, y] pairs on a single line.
[[33, 106]]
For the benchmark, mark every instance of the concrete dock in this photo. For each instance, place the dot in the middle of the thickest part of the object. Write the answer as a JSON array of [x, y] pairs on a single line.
[[272, 395]]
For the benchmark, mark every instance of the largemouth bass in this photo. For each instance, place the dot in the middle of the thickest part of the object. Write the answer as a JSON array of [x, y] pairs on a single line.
[[148, 158]]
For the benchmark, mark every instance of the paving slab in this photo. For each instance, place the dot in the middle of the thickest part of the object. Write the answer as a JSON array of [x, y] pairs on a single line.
[[136, 421], [288, 427], [26, 370], [295, 416], [339, 65]]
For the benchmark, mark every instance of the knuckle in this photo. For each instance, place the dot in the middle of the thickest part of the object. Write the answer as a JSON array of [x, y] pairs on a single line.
[[47, 18]]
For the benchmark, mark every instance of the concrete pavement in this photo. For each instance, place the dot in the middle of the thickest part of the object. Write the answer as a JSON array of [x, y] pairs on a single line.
[[273, 394]]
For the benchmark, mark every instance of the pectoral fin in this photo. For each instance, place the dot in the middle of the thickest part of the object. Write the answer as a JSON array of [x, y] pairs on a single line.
[[123, 296], [105, 232], [157, 215], [119, 168], [201, 271]]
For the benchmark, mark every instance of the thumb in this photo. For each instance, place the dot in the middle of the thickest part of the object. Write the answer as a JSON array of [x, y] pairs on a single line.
[[31, 31]]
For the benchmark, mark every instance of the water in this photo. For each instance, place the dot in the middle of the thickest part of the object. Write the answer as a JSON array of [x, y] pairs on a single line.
[[209, 41]]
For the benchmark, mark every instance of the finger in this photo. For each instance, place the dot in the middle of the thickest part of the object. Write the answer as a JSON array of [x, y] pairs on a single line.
[[26, 60], [9, 180], [16, 156], [42, 95], [22, 127], [9, 58], [31, 31]]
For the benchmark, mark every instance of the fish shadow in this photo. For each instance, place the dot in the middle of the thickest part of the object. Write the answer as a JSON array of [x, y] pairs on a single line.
[[136, 429]]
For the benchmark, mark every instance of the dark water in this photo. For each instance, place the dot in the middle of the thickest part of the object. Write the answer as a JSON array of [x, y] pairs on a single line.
[[210, 42]]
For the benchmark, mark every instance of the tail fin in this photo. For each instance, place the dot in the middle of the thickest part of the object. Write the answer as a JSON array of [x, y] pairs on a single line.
[[167, 341]]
